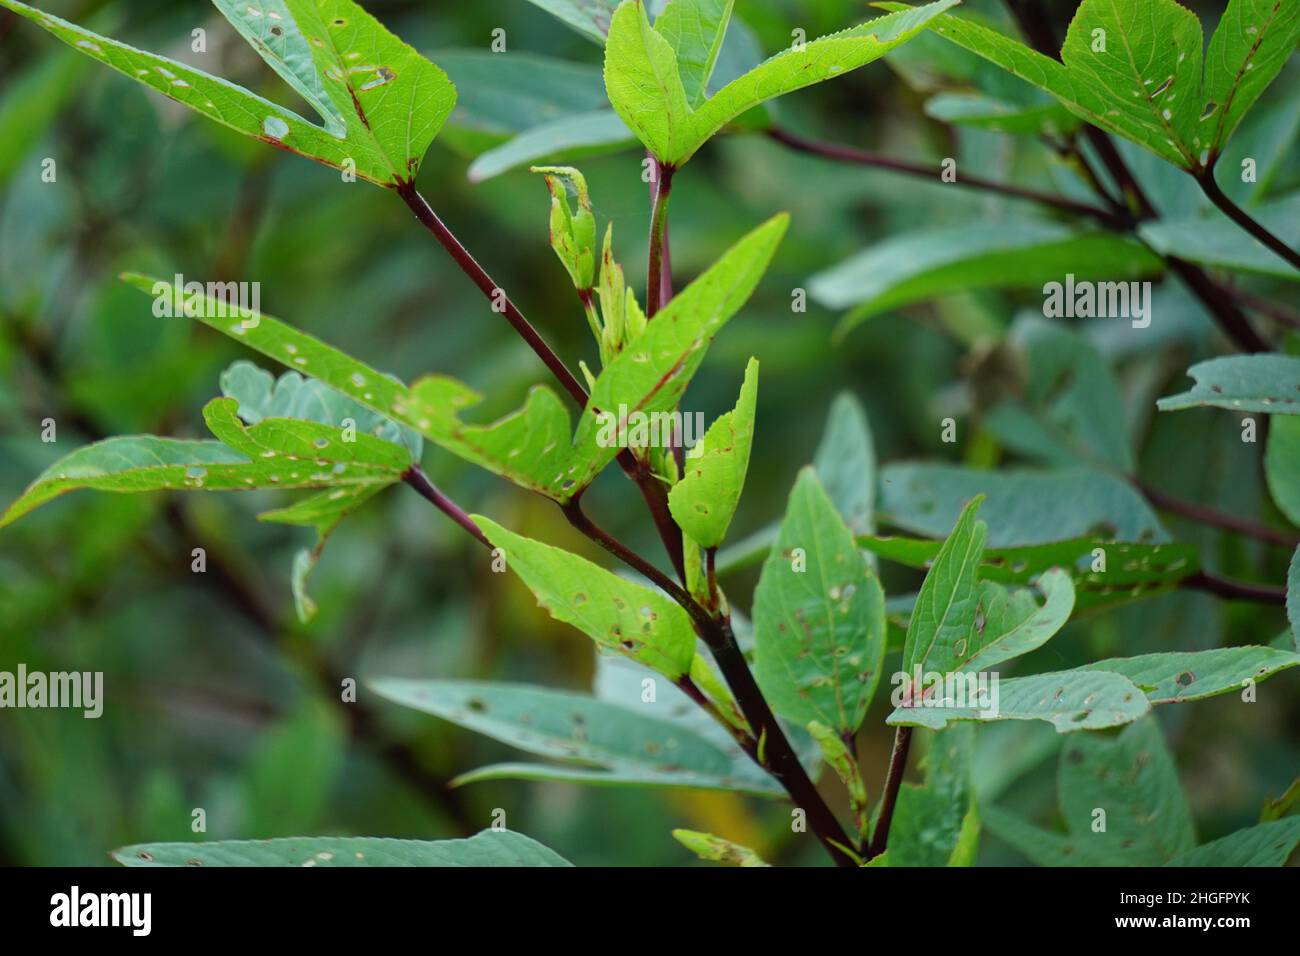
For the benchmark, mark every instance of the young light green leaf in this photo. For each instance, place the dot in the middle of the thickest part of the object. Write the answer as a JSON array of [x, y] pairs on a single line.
[[614, 612], [381, 102], [652, 371], [717, 850], [275, 453], [911, 267], [530, 447], [1069, 700], [487, 848], [1242, 383], [705, 499], [819, 617], [1267, 844], [1171, 677], [842, 760], [1023, 507], [644, 78], [694, 29], [617, 746]]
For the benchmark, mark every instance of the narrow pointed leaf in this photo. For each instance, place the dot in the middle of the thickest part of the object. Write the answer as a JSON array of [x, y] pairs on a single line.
[[1267, 844], [1242, 383], [717, 850]]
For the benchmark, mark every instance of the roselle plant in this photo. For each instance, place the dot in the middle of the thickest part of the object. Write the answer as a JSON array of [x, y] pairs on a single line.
[[692, 692]]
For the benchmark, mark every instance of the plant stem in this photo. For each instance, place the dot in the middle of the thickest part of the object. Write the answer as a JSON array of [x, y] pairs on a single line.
[[659, 282], [1242, 218], [889, 795], [1234, 590], [1212, 516], [417, 479], [495, 294], [849, 154], [774, 754]]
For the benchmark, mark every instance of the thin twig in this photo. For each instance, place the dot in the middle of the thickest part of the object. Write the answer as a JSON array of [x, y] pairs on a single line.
[[417, 479], [849, 154], [889, 794], [1212, 516], [1244, 219], [658, 273], [1234, 590]]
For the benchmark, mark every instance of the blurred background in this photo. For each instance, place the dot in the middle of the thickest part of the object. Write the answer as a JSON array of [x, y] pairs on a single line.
[[218, 698]]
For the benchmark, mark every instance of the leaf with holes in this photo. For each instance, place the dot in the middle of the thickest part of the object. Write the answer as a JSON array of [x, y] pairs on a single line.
[[819, 617], [1134, 68], [1171, 677], [717, 850], [380, 103], [1242, 383], [487, 848], [646, 66], [596, 742], [614, 612], [705, 499]]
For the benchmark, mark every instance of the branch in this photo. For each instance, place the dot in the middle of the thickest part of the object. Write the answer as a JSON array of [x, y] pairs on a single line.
[[1242, 218], [495, 294], [659, 280], [772, 751], [889, 795], [1234, 590], [417, 479], [1212, 516], [848, 154]]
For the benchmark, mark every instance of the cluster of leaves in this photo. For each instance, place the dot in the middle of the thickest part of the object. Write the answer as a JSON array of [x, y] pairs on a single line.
[[1008, 556]]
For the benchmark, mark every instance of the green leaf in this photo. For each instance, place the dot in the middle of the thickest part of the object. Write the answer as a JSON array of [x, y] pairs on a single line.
[[261, 395], [1249, 48], [589, 17], [1070, 410], [381, 102], [1140, 76], [612, 745], [1131, 570], [275, 453], [705, 499], [1044, 847], [986, 112], [1293, 598], [819, 617], [644, 78], [946, 606], [845, 463], [1172, 677], [571, 137], [717, 850], [1267, 844], [1212, 239], [1287, 805], [612, 611], [487, 848], [1015, 254], [1282, 465], [1023, 507], [845, 764], [652, 372], [1069, 700], [937, 823], [694, 29], [1242, 383]]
